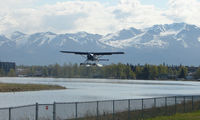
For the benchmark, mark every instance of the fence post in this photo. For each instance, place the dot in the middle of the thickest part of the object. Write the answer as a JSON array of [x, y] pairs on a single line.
[[142, 108], [192, 103], [76, 109], [154, 102], [129, 108], [97, 110], [10, 113], [36, 111], [184, 103], [54, 111], [113, 109], [175, 104], [165, 105]]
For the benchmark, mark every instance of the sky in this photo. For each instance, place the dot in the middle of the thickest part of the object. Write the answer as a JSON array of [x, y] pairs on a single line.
[[93, 16]]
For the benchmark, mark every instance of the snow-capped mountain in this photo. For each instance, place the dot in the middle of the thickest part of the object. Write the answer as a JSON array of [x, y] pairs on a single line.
[[162, 36], [176, 43]]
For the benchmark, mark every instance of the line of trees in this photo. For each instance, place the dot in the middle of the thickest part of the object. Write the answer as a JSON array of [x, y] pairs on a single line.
[[159, 71], [116, 71], [119, 71]]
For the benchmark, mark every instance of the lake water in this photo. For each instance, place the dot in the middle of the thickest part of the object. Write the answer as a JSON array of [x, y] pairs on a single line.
[[94, 89]]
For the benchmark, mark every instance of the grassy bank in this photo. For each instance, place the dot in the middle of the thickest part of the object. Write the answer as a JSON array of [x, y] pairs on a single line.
[[7, 87], [180, 116], [169, 112]]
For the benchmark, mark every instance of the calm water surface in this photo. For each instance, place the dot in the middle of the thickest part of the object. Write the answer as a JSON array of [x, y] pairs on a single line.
[[94, 89]]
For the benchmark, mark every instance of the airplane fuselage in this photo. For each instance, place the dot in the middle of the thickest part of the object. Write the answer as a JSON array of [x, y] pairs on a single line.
[[92, 57]]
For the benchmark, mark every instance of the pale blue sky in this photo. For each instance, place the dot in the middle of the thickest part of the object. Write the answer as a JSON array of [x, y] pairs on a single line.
[[157, 3]]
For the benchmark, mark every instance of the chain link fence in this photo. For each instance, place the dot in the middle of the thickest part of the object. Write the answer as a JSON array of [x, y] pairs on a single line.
[[130, 109]]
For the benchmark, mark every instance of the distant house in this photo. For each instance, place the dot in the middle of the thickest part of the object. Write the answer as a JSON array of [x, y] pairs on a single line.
[[7, 66], [190, 76]]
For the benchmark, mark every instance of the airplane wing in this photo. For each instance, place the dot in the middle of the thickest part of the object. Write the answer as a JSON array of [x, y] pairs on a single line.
[[95, 53], [106, 53], [80, 53]]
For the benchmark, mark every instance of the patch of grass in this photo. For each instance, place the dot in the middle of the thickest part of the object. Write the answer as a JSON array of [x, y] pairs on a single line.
[[7, 87], [165, 113], [180, 116]]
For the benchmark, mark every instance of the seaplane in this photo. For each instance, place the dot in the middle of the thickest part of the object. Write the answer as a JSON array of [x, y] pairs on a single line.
[[92, 58]]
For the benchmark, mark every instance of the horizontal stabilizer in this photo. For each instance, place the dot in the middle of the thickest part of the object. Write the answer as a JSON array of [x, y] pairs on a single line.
[[103, 59]]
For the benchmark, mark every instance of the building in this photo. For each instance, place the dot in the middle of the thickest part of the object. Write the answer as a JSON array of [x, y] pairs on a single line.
[[7, 66]]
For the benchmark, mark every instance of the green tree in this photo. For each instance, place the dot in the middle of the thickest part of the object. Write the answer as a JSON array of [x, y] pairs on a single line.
[[153, 70], [138, 72], [162, 69], [129, 73], [146, 72], [182, 72], [45, 72], [197, 74], [12, 73], [57, 70], [122, 71], [76, 70], [2, 73]]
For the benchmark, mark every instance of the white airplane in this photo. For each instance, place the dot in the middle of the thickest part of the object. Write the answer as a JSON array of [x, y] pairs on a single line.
[[93, 57]]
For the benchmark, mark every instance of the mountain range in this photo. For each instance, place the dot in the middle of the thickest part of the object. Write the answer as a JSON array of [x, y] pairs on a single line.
[[177, 43]]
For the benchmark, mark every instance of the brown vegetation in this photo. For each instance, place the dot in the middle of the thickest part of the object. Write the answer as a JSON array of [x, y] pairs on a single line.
[[7, 87]]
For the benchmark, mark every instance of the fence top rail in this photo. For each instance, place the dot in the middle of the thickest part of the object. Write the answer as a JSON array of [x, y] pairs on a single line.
[[6, 108], [102, 101], [66, 102], [17, 107], [23, 106], [44, 104]]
